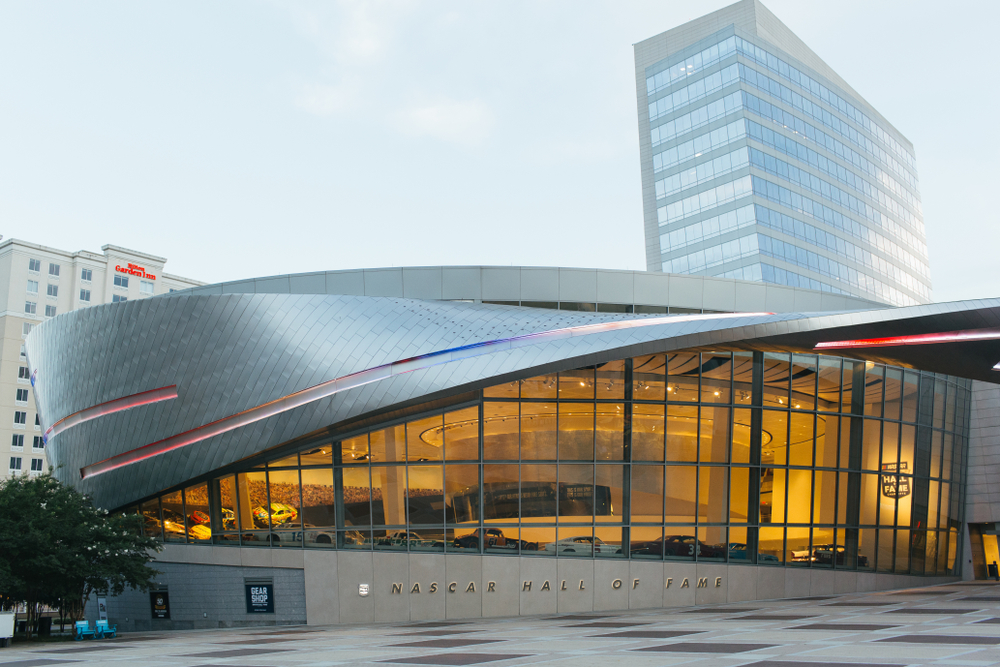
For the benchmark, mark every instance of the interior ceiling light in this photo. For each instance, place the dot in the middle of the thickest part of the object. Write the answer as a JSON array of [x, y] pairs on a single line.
[[915, 339]]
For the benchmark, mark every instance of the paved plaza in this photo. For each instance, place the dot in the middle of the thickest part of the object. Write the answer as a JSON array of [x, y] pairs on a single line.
[[956, 624]]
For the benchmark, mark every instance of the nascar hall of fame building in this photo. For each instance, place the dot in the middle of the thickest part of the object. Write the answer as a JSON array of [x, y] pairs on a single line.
[[791, 418]]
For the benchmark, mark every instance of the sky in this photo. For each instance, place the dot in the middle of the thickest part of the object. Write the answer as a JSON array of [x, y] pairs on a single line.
[[252, 138]]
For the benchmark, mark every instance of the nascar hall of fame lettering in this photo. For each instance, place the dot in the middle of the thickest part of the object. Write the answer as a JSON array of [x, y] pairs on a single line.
[[529, 586], [894, 482]]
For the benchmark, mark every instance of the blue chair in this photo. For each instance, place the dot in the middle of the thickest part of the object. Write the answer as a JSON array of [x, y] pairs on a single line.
[[83, 631], [104, 630]]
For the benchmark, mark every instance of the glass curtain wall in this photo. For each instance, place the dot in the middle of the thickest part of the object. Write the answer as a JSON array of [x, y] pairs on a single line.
[[767, 458]]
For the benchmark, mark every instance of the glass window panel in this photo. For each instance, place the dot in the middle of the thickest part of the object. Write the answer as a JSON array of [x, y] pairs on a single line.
[[843, 495], [461, 435], [425, 497], [771, 546], [874, 384], [845, 442], [389, 444], [540, 386], [713, 490], [885, 550], [931, 552], [933, 496], [824, 497], [940, 389], [866, 548], [772, 495], [354, 538], [355, 449], [946, 456], [501, 427], [681, 484], [649, 377], [716, 377], [577, 384], [151, 524], [949, 415], [430, 539], [647, 494], [774, 438], [869, 499], [828, 392], [357, 497], [803, 381], [739, 494], [607, 541], [907, 446], [285, 507], [319, 507], [682, 433], [646, 542], [824, 550], [461, 494], [501, 493], [911, 394], [714, 435], [286, 462], [800, 439], [682, 376], [199, 522], [799, 496], [680, 542], [936, 441], [741, 436], [576, 493], [738, 543], [742, 378], [227, 504], [611, 431], [712, 543], [797, 551], [538, 541], [424, 439], [320, 455], [608, 493], [505, 390], [611, 380], [388, 496], [776, 379], [576, 431], [538, 431], [392, 539], [952, 551], [846, 389], [871, 445], [538, 493], [647, 432], [826, 441], [251, 490], [172, 510], [498, 540], [893, 392]]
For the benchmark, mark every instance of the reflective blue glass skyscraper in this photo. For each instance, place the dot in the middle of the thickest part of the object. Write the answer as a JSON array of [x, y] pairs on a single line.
[[759, 162]]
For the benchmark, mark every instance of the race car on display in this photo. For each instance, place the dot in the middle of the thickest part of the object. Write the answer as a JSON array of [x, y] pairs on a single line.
[[583, 544], [738, 551], [280, 514], [824, 554], [687, 545], [495, 539]]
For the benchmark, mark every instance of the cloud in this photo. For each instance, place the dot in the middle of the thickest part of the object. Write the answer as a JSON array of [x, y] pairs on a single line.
[[322, 99], [466, 123]]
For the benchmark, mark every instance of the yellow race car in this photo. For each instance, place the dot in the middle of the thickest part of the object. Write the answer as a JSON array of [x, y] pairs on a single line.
[[280, 514]]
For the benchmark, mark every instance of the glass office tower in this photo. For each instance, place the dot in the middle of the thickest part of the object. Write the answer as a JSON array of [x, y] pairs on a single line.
[[759, 162]]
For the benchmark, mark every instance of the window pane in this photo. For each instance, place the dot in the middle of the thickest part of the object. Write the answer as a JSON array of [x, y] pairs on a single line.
[[611, 380], [712, 543], [911, 386], [607, 541], [501, 425], [803, 381], [828, 393], [797, 550], [538, 492], [538, 431], [608, 490], [681, 484], [716, 377], [714, 435], [151, 518], [425, 439], [874, 385], [799, 496], [647, 432], [680, 543], [425, 498], [505, 390], [576, 431], [776, 377], [501, 492], [869, 499], [649, 377], [576, 492], [647, 494], [739, 498], [646, 542], [577, 384], [771, 546], [826, 441], [388, 496], [321, 455], [319, 507], [825, 497], [741, 436], [866, 548], [772, 495], [284, 509], [354, 449], [389, 444], [357, 498], [682, 376], [173, 517], [713, 494], [893, 392], [774, 438], [198, 519], [682, 433], [610, 440], [461, 494], [461, 434], [742, 378], [227, 503], [540, 386]]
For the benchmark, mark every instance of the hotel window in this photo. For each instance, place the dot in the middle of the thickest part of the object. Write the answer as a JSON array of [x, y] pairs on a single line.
[[50, 311], [38, 423], [17, 442], [15, 463], [20, 417], [145, 287], [32, 287], [85, 295], [36, 465], [52, 290], [23, 373], [21, 396], [30, 307], [116, 298], [26, 328], [54, 270], [34, 265], [86, 275], [24, 352], [121, 281], [38, 442]]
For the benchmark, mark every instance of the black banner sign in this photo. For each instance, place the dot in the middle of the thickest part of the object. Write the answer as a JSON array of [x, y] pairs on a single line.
[[260, 598], [895, 485], [159, 603]]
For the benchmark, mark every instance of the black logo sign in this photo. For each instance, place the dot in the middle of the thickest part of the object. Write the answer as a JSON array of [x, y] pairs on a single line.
[[260, 598], [895, 485], [159, 603]]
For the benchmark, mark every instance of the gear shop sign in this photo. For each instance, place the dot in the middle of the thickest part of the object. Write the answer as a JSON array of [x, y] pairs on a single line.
[[260, 598]]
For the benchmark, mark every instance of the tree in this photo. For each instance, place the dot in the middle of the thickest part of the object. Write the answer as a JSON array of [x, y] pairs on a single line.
[[58, 548]]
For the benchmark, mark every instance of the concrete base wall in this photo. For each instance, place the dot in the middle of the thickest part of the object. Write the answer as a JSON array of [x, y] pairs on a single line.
[[323, 587]]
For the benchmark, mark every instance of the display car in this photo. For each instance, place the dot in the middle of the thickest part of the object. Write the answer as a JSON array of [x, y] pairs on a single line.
[[279, 514], [495, 539], [403, 539], [826, 554], [738, 551], [687, 545], [584, 545]]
